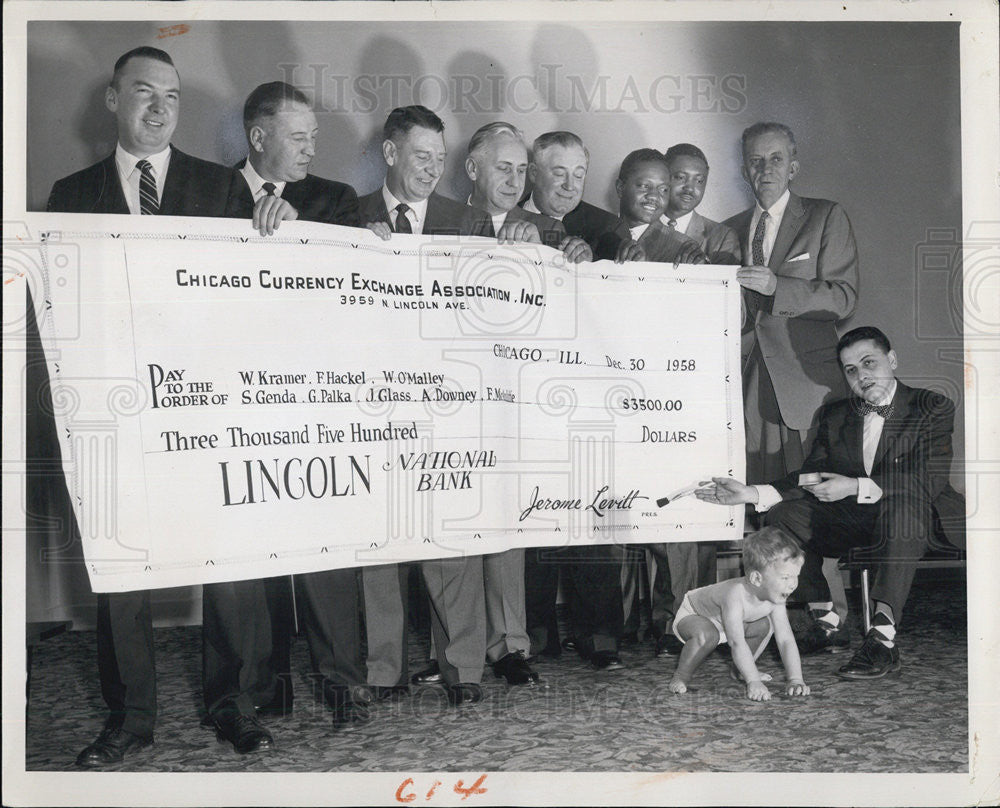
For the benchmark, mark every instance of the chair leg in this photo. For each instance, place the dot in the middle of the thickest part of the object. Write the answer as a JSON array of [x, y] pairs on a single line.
[[866, 603]]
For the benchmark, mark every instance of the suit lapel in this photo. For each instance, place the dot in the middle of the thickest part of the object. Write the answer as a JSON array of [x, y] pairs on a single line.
[[114, 200], [176, 182], [891, 427], [852, 434], [697, 230], [791, 223]]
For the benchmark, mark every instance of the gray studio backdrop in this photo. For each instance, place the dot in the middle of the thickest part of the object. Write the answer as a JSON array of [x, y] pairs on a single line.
[[875, 108]]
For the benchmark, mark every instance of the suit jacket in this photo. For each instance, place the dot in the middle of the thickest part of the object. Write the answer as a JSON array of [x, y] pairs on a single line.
[[551, 230], [445, 217], [316, 200], [718, 241], [589, 222], [660, 243], [815, 260], [193, 187], [914, 453]]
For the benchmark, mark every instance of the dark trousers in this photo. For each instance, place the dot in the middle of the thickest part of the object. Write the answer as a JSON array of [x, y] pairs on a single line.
[[541, 588], [594, 596], [328, 608], [236, 646], [126, 661], [895, 530]]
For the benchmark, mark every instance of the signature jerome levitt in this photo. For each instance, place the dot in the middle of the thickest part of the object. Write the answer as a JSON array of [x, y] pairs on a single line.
[[600, 504]]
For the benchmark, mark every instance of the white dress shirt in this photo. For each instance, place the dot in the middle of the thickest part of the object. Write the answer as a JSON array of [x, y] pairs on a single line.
[[256, 182], [775, 214], [129, 175], [531, 207], [417, 213], [637, 231], [868, 490], [680, 225]]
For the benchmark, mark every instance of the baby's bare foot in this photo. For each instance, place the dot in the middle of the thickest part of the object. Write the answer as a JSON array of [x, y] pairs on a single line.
[[677, 685]]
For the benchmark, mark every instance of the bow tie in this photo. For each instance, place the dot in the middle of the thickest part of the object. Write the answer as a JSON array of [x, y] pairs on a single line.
[[883, 410]]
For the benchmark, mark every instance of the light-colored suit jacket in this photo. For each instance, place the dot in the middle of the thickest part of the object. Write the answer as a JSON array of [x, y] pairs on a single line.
[[815, 260], [718, 241]]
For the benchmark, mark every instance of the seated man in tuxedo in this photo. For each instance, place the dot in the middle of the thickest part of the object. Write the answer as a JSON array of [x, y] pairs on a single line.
[[880, 460], [145, 175], [498, 165], [274, 184], [682, 566], [414, 152], [642, 187]]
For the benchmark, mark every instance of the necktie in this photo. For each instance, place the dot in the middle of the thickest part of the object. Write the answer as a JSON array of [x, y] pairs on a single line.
[[149, 202], [402, 220], [884, 410], [757, 245], [671, 223], [269, 188]]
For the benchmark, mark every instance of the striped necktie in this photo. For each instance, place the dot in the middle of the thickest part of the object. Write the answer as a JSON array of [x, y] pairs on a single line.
[[149, 202]]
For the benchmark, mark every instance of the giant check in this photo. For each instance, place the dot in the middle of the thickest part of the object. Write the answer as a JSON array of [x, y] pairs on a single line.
[[234, 407]]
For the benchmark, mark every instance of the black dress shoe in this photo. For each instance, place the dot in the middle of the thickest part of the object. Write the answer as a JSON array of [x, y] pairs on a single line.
[[821, 636], [244, 732], [464, 693], [668, 646], [569, 644], [351, 716], [606, 661], [431, 675], [872, 660], [395, 692], [515, 669], [111, 747]]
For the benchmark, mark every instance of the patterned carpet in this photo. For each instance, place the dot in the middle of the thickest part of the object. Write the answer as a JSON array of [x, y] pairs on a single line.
[[578, 719]]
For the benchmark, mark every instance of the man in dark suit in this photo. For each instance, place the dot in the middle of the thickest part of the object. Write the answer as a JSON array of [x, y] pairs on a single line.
[[642, 187], [880, 460], [273, 183], [414, 152], [497, 165], [800, 276], [146, 175], [558, 172], [688, 169]]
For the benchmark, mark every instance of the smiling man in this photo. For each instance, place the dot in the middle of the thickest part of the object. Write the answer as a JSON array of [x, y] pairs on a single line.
[[878, 468], [274, 184], [145, 174], [414, 151], [498, 166], [643, 186]]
